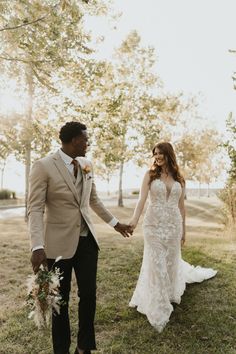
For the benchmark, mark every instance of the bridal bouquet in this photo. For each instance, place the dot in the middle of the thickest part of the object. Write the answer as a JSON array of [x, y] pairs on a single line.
[[43, 294]]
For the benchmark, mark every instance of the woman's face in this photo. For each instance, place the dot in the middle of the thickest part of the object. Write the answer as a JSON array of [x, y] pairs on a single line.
[[159, 158]]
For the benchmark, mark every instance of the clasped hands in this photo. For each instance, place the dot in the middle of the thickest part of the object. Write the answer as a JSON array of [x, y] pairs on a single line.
[[124, 229]]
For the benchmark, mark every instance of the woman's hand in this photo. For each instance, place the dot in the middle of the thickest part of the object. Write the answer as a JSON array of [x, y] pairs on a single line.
[[132, 225]]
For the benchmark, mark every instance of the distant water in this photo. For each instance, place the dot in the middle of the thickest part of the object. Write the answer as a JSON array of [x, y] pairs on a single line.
[[12, 212], [20, 211]]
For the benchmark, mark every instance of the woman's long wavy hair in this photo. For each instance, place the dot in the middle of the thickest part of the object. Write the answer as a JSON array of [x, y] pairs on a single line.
[[167, 150]]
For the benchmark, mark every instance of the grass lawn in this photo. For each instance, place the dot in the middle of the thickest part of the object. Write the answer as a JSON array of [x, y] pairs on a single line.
[[204, 322]]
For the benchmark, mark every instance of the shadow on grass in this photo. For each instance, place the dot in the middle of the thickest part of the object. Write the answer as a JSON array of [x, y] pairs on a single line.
[[205, 212]]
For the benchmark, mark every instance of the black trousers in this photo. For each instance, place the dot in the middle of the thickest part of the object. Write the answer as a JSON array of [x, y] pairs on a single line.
[[84, 263]]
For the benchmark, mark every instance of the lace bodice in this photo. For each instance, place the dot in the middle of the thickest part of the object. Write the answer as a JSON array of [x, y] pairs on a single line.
[[160, 196], [163, 211]]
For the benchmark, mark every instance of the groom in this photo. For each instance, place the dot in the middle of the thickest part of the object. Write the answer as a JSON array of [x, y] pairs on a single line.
[[62, 186]]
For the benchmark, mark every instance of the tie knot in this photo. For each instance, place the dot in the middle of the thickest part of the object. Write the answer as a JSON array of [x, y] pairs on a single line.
[[74, 162]]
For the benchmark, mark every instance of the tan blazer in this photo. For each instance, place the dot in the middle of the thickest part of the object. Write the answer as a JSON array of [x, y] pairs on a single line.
[[55, 206]]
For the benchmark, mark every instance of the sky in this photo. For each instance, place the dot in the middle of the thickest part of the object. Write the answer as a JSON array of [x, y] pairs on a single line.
[[192, 40]]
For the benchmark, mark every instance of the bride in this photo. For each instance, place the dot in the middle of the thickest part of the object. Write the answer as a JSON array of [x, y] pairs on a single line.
[[163, 275]]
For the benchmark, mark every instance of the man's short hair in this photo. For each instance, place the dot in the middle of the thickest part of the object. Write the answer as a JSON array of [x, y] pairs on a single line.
[[70, 130]]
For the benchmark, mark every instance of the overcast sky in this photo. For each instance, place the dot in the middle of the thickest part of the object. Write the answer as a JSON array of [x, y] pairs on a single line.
[[192, 41]]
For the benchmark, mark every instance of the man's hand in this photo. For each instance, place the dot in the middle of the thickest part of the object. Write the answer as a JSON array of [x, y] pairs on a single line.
[[38, 257], [125, 230]]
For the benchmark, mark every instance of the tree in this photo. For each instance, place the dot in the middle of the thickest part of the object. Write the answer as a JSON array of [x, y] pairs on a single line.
[[128, 115], [5, 148], [196, 152], [42, 44], [117, 103], [157, 117], [228, 195], [230, 145], [105, 171], [4, 153]]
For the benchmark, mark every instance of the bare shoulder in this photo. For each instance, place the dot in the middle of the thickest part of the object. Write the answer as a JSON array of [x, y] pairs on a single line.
[[146, 177]]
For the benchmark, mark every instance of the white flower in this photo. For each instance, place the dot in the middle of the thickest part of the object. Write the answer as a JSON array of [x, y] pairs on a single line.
[[43, 295]]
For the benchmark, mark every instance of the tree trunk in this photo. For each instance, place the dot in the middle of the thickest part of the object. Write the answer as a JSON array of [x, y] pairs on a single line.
[[2, 173], [199, 189], [231, 203], [27, 171], [108, 186], [28, 145], [120, 198]]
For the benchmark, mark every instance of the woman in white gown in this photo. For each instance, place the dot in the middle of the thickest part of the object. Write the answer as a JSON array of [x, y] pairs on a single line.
[[163, 275]]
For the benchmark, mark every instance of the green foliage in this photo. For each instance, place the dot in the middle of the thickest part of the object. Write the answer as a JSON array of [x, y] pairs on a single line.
[[36, 135], [230, 145], [127, 116], [7, 194], [135, 192], [228, 194], [51, 37], [196, 151], [4, 149], [43, 295], [45, 48], [116, 105]]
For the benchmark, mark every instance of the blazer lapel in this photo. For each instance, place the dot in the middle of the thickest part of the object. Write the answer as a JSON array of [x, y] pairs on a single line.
[[65, 174]]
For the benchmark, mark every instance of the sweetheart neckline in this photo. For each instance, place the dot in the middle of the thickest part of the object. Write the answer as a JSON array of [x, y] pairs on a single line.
[[166, 190]]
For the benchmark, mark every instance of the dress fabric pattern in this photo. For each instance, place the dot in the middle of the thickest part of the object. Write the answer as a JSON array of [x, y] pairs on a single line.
[[163, 275]]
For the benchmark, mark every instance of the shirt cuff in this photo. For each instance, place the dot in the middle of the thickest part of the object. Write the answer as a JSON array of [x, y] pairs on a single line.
[[37, 248], [113, 222]]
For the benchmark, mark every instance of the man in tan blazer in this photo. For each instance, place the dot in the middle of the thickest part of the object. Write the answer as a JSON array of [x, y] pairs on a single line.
[[62, 190]]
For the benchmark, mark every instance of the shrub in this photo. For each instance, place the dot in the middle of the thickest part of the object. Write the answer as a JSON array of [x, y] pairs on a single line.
[[7, 194], [135, 192], [228, 196]]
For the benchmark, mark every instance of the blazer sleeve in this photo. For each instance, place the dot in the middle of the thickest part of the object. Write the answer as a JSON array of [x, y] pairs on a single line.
[[97, 205], [36, 203]]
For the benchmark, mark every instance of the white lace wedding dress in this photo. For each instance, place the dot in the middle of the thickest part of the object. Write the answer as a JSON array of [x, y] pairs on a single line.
[[163, 274]]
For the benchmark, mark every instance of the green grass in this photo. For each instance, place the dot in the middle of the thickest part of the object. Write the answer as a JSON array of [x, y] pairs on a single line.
[[204, 322]]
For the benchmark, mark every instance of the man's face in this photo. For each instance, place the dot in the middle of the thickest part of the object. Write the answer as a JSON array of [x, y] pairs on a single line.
[[80, 143]]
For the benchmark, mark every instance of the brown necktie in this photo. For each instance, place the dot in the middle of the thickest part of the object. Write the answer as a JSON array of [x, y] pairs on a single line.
[[75, 163]]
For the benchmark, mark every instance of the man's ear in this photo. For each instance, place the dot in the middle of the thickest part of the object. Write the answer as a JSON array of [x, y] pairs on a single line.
[[73, 141]]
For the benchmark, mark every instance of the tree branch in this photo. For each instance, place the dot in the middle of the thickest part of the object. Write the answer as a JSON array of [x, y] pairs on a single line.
[[25, 61], [15, 59], [23, 24], [43, 81]]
